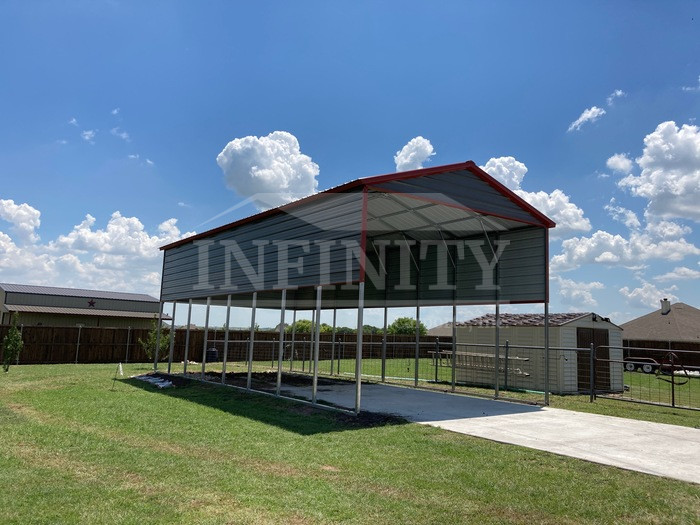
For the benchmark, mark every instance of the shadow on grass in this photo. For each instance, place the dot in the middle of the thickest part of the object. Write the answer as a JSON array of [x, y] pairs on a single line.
[[286, 414]]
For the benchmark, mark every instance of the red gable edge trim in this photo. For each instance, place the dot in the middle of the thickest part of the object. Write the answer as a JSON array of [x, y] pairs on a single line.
[[372, 181]]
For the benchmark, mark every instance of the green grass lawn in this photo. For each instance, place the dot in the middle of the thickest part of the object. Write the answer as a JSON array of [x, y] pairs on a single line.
[[72, 450]]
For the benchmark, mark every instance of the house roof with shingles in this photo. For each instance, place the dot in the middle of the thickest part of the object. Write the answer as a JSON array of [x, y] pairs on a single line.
[[525, 319], [681, 323]]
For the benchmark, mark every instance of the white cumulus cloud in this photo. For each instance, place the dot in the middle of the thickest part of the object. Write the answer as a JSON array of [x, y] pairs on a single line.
[[679, 273], [122, 256], [620, 163], [24, 219], [88, 135], [414, 154], [615, 250], [589, 115], [272, 165], [670, 176], [575, 293], [647, 295], [556, 205], [615, 94], [623, 215], [506, 170]]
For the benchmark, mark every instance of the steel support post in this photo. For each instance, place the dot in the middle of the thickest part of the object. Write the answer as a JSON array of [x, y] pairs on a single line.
[[358, 357], [206, 336], [335, 312], [386, 317], [187, 338], [415, 379], [317, 343], [591, 367], [497, 349], [172, 339], [251, 344], [226, 337], [546, 354], [294, 333], [155, 354], [128, 342], [454, 344], [280, 350]]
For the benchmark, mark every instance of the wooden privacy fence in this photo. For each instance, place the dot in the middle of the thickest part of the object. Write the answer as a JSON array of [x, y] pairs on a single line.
[[46, 344]]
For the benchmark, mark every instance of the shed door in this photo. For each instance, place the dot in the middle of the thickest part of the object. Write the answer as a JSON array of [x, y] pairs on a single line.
[[599, 338]]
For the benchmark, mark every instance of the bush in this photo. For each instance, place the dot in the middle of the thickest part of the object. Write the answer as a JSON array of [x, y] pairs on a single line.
[[149, 345], [11, 345]]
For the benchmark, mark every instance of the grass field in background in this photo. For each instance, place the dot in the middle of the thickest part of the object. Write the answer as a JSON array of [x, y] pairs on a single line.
[[74, 450]]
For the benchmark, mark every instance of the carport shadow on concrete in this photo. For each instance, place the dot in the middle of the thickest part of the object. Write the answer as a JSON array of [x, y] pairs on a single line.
[[417, 405]]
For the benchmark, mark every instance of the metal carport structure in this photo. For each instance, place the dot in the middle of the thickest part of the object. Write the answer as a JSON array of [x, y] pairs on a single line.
[[440, 236]]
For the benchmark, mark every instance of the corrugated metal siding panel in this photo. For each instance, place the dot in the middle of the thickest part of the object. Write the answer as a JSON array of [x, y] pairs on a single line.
[[337, 218], [34, 319], [79, 302], [523, 266]]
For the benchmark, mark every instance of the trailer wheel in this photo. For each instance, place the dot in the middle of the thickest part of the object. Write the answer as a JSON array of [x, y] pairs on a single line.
[[647, 368], [630, 367]]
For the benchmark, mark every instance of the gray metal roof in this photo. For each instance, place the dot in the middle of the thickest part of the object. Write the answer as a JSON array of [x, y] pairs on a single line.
[[76, 292], [391, 232], [682, 323], [26, 308]]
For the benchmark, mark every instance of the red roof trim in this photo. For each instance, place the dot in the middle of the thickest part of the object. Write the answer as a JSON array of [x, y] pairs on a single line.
[[378, 179]]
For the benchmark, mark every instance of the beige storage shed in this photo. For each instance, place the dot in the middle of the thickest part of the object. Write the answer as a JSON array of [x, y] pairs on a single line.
[[521, 352]]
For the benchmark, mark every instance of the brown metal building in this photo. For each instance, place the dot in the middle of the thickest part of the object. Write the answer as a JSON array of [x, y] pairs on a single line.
[[52, 306]]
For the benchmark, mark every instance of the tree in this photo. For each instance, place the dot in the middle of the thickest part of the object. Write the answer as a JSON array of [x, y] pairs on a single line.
[[371, 330], [12, 344], [303, 326], [406, 326], [149, 345]]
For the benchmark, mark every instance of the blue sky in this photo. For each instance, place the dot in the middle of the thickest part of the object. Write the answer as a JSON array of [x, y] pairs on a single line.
[[114, 113]]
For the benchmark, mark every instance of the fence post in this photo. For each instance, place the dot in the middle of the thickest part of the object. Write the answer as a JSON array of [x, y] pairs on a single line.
[[21, 333], [437, 352], [128, 341], [592, 373], [505, 379], [77, 345]]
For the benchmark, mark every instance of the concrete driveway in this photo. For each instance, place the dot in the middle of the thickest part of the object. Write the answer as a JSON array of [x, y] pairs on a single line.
[[654, 448]]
